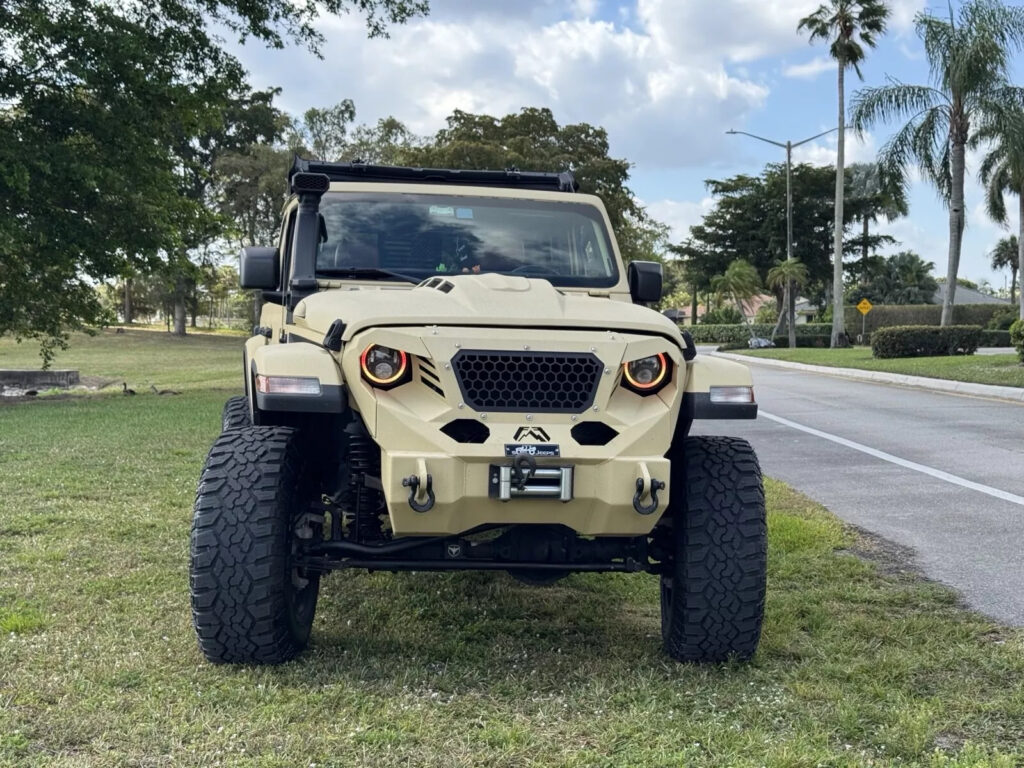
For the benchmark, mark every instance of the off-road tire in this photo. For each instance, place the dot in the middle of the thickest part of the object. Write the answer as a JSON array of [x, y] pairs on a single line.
[[247, 605], [712, 594], [236, 414]]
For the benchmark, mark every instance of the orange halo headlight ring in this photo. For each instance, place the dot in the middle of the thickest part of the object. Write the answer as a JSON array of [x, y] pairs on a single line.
[[384, 367], [646, 375]]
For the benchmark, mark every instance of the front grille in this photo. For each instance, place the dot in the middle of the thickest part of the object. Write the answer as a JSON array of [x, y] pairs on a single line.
[[551, 382]]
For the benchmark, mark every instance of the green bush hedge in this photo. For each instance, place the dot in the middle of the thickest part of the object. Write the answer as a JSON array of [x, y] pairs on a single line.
[[888, 315], [995, 339], [819, 340], [925, 341], [1017, 337], [740, 334]]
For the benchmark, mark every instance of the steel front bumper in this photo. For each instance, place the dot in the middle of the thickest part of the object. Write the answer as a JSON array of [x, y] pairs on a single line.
[[407, 423]]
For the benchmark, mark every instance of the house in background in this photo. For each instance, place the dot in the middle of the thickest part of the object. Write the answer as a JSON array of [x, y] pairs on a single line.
[[681, 315], [965, 295]]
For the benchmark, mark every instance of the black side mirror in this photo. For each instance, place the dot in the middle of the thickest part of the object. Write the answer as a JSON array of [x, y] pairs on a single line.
[[644, 281], [260, 268]]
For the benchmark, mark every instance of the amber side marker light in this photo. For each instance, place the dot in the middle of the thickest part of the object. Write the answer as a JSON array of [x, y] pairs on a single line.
[[646, 375], [383, 367]]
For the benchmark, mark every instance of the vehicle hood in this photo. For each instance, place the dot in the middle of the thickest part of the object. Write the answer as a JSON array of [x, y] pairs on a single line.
[[476, 300]]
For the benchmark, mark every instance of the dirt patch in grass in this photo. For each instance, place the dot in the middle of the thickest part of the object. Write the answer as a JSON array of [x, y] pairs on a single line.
[[888, 557]]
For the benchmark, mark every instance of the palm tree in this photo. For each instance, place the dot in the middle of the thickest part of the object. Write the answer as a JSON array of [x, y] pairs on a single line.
[[873, 196], [1007, 254], [969, 60], [905, 278], [849, 25], [739, 283], [790, 276], [1002, 171]]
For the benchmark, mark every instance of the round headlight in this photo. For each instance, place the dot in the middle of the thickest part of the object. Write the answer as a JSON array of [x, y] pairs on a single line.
[[645, 375], [382, 366]]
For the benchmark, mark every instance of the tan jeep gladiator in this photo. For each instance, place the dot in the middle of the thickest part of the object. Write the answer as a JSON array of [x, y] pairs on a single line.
[[455, 370]]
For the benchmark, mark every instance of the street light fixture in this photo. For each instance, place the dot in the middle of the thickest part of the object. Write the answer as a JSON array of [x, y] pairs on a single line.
[[788, 146]]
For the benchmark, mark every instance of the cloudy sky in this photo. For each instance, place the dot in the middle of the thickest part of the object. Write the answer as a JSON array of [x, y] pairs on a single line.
[[666, 78]]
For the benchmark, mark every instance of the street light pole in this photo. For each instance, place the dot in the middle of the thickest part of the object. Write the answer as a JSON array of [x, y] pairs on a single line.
[[788, 298]]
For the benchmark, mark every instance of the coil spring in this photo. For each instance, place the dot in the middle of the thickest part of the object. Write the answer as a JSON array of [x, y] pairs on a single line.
[[366, 503]]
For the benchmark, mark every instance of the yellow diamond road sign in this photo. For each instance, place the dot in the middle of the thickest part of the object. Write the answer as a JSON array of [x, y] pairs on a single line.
[[864, 306]]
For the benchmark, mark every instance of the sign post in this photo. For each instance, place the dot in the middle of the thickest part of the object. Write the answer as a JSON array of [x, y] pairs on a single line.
[[864, 307]]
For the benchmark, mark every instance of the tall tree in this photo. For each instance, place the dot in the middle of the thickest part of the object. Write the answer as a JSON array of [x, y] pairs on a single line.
[[324, 130], [94, 98], [1007, 255], [873, 196], [739, 282], [904, 278], [849, 26], [969, 58], [388, 142], [789, 276], [748, 221], [532, 139], [1002, 171]]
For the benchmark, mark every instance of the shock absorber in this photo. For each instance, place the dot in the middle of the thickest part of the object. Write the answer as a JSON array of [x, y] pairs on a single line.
[[365, 502]]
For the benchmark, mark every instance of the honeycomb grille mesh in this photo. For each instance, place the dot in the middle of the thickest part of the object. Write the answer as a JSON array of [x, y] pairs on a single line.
[[549, 382]]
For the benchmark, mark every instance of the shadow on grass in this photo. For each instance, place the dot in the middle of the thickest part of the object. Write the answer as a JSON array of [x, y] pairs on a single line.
[[480, 629]]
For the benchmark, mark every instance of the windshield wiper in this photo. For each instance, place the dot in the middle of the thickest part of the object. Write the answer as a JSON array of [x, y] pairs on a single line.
[[370, 272]]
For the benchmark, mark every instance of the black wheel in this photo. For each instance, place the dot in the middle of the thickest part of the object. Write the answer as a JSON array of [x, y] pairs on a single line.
[[236, 414], [249, 604], [712, 593]]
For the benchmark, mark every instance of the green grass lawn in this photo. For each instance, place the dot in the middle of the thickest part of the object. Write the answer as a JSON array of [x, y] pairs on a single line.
[[140, 358], [862, 663], [980, 369]]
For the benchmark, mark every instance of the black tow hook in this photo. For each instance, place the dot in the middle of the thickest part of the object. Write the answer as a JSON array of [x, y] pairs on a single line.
[[412, 482], [656, 485]]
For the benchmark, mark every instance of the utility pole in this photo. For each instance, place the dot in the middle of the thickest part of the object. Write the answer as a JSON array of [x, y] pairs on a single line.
[[789, 300]]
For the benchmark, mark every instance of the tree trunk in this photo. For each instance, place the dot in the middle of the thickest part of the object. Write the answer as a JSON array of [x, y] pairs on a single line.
[[128, 301], [179, 307], [783, 305], [1020, 253], [956, 225], [258, 306], [838, 331], [864, 254], [792, 314]]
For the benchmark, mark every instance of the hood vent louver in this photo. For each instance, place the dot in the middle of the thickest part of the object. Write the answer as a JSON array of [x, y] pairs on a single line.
[[429, 377], [439, 284]]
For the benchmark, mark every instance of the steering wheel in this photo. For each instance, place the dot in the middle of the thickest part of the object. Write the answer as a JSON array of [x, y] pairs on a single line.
[[537, 268]]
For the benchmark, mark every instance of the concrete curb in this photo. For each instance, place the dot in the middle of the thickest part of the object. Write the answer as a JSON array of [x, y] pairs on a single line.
[[1011, 394]]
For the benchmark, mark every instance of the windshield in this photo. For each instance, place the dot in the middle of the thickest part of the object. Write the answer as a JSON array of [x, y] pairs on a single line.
[[425, 235]]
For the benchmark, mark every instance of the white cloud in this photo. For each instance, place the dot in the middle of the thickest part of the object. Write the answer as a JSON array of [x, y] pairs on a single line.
[[858, 149], [810, 69], [655, 100], [680, 215], [902, 13]]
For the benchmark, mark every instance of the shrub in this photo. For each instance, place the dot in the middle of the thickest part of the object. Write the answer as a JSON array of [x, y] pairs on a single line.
[[1017, 337], [888, 315], [722, 316], [767, 313], [818, 340], [1003, 318], [995, 339], [739, 333], [925, 340]]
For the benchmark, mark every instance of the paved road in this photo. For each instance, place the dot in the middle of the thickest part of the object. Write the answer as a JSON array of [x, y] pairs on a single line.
[[942, 474]]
